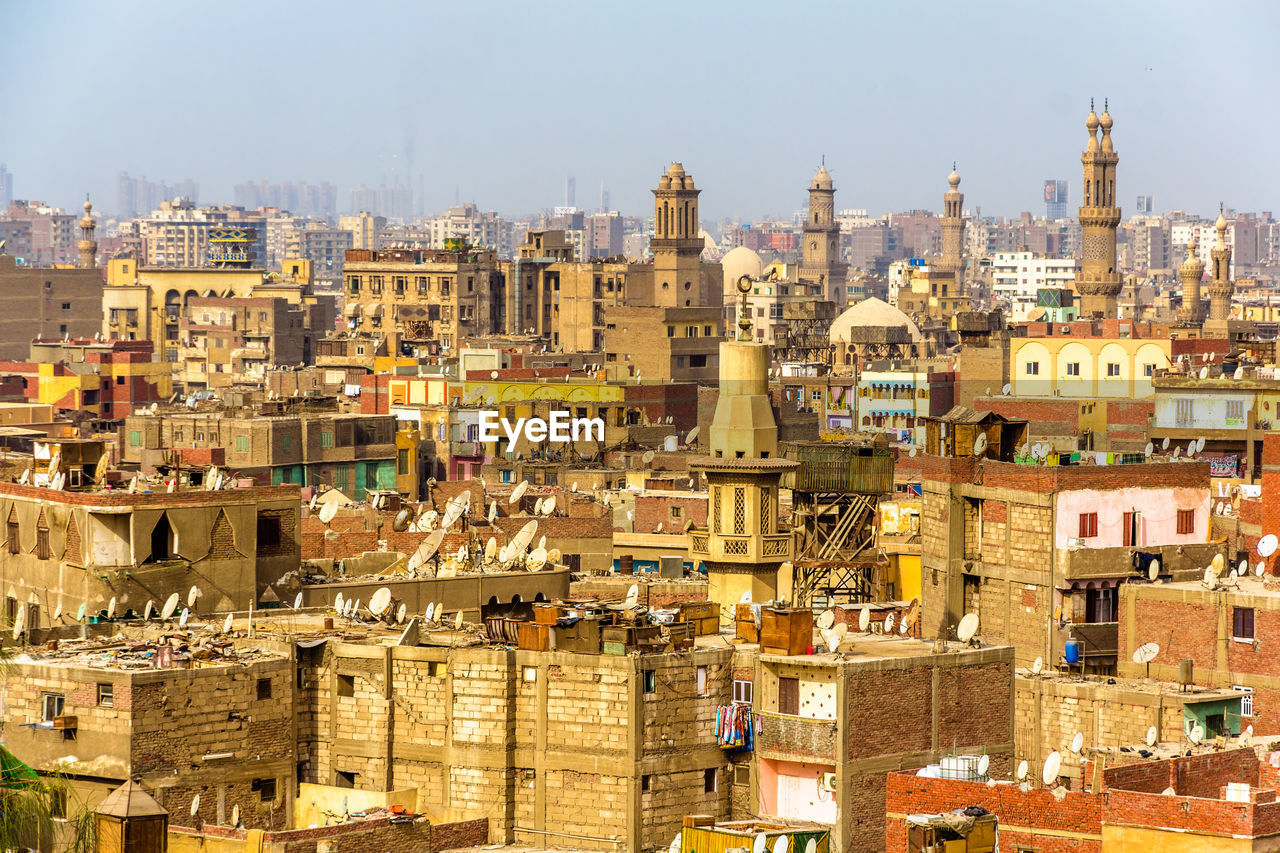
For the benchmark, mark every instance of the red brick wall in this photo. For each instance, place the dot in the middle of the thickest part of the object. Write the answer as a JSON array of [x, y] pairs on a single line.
[[652, 510]]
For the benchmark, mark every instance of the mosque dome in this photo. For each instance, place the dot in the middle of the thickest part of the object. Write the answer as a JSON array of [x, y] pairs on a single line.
[[739, 262], [872, 313]]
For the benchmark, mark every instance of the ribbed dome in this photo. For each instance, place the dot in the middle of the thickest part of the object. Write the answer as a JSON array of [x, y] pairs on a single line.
[[872, 313]]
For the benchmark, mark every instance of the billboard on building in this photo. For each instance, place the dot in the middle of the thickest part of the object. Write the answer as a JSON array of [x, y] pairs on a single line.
[[1055, 192]]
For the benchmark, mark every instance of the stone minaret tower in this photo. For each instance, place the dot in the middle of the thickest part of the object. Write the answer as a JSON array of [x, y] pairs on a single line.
[[953, 227], [743, 545], [1098, 282], [1191, 272], [676, 246], [820, 250], [1220, 285], [88, 246]]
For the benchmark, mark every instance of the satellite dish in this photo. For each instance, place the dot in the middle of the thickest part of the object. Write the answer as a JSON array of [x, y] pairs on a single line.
[[825, 620], [493, 511], [1267, 545], [554, 556], [182, 619], [1153, 570], [549, 505], [1006, 389], [1218, 563], [647, 457], [401, 612], [1022, 770], [1164, 445], [1148, 450], [967, 628], [633, 595], [380, 601], [984, 764], [811, 846], [227, 623], [1077, 743], [1196, 734], [980, 444], [674, 846], [1052, 765], [1210, 579], [912, 453], [903, 625], [328, 511], [1204, 373], [518, 493], [195, 805], [146, 611], [1169, 792], [537, 559], [864, 619], [1152, 735], [401, 522], [1246, 736], [692, 436], [19, 621], [297, 601], [1146, 653], [1242, 568], [192, 595], [1176, 452], [830, 639], [490, 549], [520, 542], [1260, 569], [457, 621], [888, 624], [57, 611], [1191, 448], [353, 607], [1239, 373], [1200, 444], [746, 597], [431, 610], [235, 815], [426, 550], [457, 506], [1037, 666], [338, 603], [760, 844], [81, 611], [780, 844], [111, 608]]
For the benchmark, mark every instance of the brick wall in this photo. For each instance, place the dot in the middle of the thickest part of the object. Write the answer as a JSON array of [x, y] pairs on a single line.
[[652, 510]]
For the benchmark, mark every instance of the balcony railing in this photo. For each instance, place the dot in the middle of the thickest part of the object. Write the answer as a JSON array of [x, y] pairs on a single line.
[[785, 735], [734, 547]]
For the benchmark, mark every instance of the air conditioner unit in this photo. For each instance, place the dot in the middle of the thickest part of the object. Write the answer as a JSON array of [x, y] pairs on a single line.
[[828, 782]]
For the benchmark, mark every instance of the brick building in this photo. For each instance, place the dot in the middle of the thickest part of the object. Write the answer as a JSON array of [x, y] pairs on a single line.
[[1117, 426]]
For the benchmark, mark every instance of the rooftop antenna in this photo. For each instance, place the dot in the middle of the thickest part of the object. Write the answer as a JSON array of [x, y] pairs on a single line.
[[518, 493], [1152, 735], [1267, 545], [338, 604], [430, 611], [1153, 571], [111, 608], [1145, 654], [864, 619], [1077, 743], [633, 595], [1022, 771], [1037, 666], [380, 601], [193, 595], [967, 628], [328, 511], [1052, 766]]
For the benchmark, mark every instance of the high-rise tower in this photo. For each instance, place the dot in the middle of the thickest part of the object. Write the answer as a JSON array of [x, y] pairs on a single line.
[[820, 250], [676, 245], [1098, 283], [953, 227], [1191, 272], [743, 546], [1220, 285], [88, 246]]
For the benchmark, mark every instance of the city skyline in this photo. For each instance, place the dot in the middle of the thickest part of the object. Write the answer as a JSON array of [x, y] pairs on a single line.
[[1011, 116]]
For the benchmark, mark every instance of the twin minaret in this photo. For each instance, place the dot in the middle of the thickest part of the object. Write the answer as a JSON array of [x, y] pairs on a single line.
[[1099, 283]]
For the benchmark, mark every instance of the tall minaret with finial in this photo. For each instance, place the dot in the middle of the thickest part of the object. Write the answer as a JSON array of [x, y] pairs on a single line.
[[1220, 285], [1099, 283], [1191, 272], [953, 227], [88, 246], [820, 251]]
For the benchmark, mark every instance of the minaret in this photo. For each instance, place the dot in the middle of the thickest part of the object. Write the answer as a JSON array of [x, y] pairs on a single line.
[[953, 227], [1191, 272], [743, 546], [1098, 282], [676, 246], [88, 246], [820, 249], [1220, 285]]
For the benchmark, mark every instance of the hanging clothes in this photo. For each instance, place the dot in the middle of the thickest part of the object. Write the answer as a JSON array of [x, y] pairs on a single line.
[[734, 727]]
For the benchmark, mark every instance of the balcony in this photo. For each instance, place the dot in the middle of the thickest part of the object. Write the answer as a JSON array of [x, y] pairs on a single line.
[[775, 547], [1184, 562], [466, 449], [797, 738]]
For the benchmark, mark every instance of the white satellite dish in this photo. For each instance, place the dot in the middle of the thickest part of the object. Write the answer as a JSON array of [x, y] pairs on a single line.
[[1037, 666], [1146, 653], [192, 595], [1204, 373], [554, 556], [825, 619], [1164, 445], [1022, 770], [1238, 373], [431, 610], [537, 559], [401, 612], [19, 621], [888, 624], [338, 603], [1260, 569], [647, 456], [1152, 735], [57, 611], [1176, 452], [830, 639], [1200, 444], [235, 815], [111, 608], [1052, 765], [692, 436], [1153, 570], [864, 619], [146, 611], [183, 617], [746, 597], [1210, 579], [780, 844], [549, 505], [228, 623], [903, 625], [1006, 389], [1191, 448], [980, 444], [984, 764], [195, 805], [426, 550], [493, 511], [80, 611], [490, 549], [1267, 545], [297, 601], [328, 511], [674, 846], [1218, 563], [1196, 734], [457, 621], [1077, 743], [520, 542], [967, 628], [1242, 568], [518, 493], [633, 595], [811, 846], [380, 601], [760, 844]]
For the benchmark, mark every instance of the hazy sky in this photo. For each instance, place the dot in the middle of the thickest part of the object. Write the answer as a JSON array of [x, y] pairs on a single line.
[[501, 101]]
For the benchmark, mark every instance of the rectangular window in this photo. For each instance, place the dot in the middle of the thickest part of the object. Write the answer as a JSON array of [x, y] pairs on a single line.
[[269, 532], [1183, 411], [1148, 370], [743, 692], [1132, 529], [266, 789], [1235, 412], [135, 438], [106, 695], [650, 681], [242, 444], [402, 462], [1088, 525], [51, 706], [1246, 700], [789, 696], [700, 681], [1033, 368], [13, 537], [1242, 623], [709, 780], [42, 543], [646, 783], [1186, 522], [264, 688], [1113, 368], [326, 439], [346, 685], [1073, 368]]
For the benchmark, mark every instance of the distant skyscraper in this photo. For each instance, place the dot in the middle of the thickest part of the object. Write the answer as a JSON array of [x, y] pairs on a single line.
[[6, 187], [570, 192], [1145, 204], [1055, 199]]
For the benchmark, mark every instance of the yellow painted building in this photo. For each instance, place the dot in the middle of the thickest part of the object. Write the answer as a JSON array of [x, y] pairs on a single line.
[[1086, 367]]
